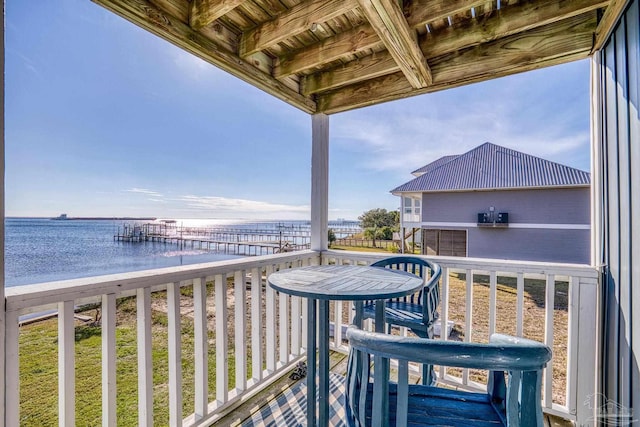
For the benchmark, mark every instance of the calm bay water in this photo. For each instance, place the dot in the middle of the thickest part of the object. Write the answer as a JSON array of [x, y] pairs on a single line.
[[43, 250]]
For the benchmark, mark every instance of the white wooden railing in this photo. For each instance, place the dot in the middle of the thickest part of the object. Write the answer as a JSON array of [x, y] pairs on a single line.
[[580, 328], [277, 335]]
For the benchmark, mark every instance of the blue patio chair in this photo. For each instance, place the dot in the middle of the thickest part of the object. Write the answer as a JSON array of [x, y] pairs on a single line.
[[419, 311], [515, 402]]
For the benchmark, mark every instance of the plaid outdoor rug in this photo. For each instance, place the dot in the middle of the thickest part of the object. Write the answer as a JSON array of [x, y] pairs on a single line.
[[290, 408]]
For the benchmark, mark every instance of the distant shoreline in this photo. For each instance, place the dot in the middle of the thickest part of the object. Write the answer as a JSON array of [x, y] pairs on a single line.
[[100, 218]]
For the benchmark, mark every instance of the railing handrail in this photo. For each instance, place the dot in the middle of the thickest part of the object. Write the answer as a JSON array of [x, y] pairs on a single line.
[[484, 264], [41, 294]]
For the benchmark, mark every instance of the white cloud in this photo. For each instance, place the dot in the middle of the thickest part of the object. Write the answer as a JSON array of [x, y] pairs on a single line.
[[145, 191], [543, 113], [223, 207]]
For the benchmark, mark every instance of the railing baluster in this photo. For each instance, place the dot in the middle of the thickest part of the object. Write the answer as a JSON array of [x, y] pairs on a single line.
[[572, 342], [145, 367], [175, 353], [493, 299], [66, 365], [548, 338], [256, 324], [445, 312], [296, 326], [109, 360], [337, 330], [201, 347], [520, 305], [270, 308], [222, 345], [12, 371], [240, 329], [468, 326], [283, 323]]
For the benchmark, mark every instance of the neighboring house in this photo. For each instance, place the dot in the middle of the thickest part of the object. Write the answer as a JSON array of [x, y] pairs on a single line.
[[494, 202]]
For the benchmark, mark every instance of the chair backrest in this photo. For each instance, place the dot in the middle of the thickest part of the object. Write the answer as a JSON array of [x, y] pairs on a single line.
[[429, 296], [517, 400]]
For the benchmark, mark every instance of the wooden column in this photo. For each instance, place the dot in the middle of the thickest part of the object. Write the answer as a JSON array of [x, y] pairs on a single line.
[[319, 182]]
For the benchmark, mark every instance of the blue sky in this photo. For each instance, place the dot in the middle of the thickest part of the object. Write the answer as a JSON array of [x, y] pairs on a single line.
[[105, 119]]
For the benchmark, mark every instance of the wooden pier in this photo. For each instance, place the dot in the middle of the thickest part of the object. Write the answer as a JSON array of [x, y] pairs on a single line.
[[237, 241]]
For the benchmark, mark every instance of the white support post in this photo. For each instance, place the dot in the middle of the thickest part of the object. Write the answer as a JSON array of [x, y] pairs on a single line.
[[145, 366], [596, 162], [2, 312], [549, 305], [270, 318], [256, 324], [109, 360], [11, 403], [66, 365], [201, 347], [240, 314], [319, 182], [175, 354], [222, 344], [493, 296]]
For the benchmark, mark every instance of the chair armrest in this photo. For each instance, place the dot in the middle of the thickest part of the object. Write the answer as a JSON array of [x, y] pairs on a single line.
[[502, 353]]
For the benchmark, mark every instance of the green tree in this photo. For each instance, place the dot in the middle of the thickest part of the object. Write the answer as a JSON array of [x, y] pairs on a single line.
[[331, 236], [374, 220]]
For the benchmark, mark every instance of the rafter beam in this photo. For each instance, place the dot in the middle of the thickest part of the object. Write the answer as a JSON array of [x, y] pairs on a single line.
[[372, 66], [154, 20], [204, 12], [295, 21], [348, 43], [512, 20], [420, 12], [608, 22], [553, 44], [400, 40]]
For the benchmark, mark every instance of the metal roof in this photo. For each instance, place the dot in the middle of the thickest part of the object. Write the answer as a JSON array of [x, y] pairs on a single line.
[[491, 166], [433, 165]]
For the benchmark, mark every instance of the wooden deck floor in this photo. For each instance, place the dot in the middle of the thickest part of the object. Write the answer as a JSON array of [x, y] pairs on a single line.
[[243, 415]]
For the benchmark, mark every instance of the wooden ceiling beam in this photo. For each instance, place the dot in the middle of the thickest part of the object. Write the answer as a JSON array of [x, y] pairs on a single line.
[[420, 12], [348, 43], [376, 65], [608, 21], [385, 16], [525, 15], [204, 12], [154, 20], [292, 22], [553, 44], [513, 20]]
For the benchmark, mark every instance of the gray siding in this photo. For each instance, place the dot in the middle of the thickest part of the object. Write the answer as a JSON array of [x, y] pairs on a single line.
[[549, 206], [529, 244], [618, 172]]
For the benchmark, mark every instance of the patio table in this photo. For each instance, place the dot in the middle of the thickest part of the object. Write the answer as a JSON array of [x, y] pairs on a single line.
[[323, 283]]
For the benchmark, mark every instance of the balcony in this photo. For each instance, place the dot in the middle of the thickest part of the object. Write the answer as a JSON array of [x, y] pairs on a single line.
[[228, 336]]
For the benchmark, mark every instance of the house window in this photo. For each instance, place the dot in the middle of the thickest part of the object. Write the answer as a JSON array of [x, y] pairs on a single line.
[[410, 209], [444, 242], [407, 205]]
